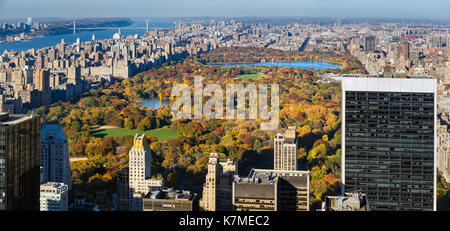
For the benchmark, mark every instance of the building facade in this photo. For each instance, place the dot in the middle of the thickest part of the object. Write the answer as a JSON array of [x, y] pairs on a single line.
[[123, 190], [217, 193], [54, 196], [443, 144], [285, 150], [170, 200], [19, 162], [272, 190], [55, 155], [388, 143], [140, 178]]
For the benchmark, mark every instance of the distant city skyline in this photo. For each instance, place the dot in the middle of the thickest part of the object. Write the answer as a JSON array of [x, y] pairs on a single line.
[[412, 9]]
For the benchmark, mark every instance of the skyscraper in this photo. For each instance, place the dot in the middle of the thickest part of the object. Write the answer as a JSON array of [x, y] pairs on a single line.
[[40, 60], [42, 79], [74, 74], [19, 162], [140, 178], [216, 194], [369, 43], [388, 142], [405, 50], [285, 150], [55, 155], [42, 84], [29, 21]]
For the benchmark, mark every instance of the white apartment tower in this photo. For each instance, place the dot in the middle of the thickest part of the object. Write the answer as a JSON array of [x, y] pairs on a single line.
[[217, 190], [55, 155], [285, 150], [140, 182], [54, 197]]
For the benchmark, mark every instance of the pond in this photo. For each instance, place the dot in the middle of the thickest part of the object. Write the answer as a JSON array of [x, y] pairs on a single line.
[[154, 103]]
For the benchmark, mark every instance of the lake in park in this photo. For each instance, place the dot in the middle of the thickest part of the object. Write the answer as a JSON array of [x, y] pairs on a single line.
[[153, 102], [301, 64]]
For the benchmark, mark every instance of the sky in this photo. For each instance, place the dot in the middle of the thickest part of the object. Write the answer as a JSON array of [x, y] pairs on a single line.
[[411, 9]]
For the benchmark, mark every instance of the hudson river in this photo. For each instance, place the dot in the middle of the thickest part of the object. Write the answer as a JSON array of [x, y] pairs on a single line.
[[52, 40]]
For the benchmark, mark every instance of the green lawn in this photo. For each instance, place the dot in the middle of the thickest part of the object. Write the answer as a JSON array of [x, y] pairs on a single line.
[[162, 134], [249, 76]]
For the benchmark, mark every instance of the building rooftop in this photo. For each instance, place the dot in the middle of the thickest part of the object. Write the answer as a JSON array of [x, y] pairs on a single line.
[[7, 119], [171, 194], [53, 187], [296, 178], [261, 182], [261, 188], [422, 85], [348, 202], [54, 130], [289, 136]]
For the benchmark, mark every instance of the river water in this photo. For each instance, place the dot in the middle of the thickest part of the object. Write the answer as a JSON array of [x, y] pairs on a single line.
[[52, 40]]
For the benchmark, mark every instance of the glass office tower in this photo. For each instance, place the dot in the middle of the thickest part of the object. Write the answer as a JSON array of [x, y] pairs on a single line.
[[388, 144], [19, 162]]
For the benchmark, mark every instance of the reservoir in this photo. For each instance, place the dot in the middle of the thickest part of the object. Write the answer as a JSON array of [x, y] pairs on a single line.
[[300, 64]]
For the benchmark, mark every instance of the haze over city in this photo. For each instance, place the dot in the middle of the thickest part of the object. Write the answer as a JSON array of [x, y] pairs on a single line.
[[418, 9]]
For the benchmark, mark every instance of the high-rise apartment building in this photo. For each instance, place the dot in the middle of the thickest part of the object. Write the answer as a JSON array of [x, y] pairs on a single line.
[[42, 79], [39, 60], [42, 84], [19, 162], [140, 178], [405, 50], [55, 155], [74, 74], [272, 190], [217, 191], [285, 150], [54, 197], [389, 141], [369, 43]]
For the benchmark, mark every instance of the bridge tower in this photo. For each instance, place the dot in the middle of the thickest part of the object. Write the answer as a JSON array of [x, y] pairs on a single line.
[[74, 27], [147, 25]]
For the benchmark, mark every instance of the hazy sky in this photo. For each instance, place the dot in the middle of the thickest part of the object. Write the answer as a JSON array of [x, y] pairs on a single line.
[[422, 9]]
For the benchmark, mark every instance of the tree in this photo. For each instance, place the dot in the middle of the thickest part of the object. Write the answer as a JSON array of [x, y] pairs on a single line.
[[145, 124], [129, 123]]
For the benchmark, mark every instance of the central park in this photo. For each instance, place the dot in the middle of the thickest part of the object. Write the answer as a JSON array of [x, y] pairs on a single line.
[[101, 124]]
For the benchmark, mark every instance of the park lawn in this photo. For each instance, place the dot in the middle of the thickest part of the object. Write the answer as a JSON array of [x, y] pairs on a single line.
[[162, 134], [249, 76]]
